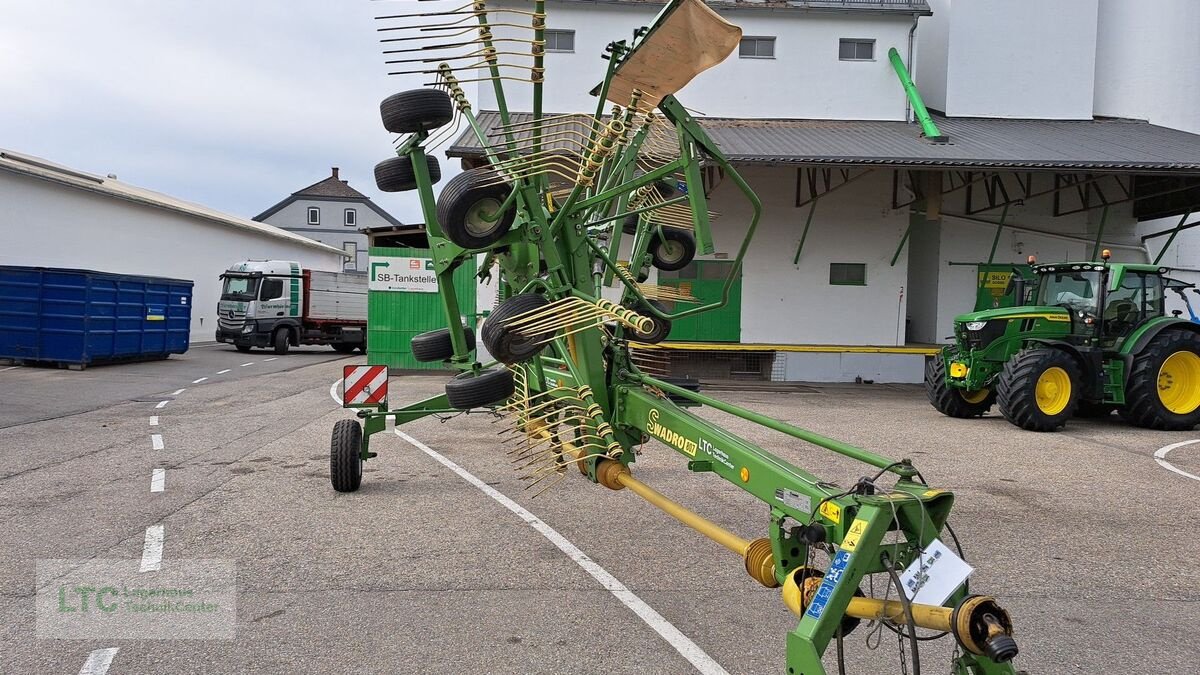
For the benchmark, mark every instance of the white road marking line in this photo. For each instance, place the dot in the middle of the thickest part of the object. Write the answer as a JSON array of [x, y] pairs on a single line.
[[178, 391], [273, 358], [98, 661], [162, 404], [156, 441], [158, 480], [154, 420], [1161, 454], [682, 644], [9, 368], [333, 392], [246, 364], [199, 380], [222, 372], [152, 550]]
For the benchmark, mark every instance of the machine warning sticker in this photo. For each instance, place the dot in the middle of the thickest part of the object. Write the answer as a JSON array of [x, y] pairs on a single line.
[[832, 511], [836, 569], [850, 542], [793, 499]]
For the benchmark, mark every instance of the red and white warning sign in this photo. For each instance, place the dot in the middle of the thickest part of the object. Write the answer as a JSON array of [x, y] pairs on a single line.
[[364, 386]]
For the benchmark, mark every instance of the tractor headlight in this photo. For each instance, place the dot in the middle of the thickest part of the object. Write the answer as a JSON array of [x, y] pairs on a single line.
[[976, 325]]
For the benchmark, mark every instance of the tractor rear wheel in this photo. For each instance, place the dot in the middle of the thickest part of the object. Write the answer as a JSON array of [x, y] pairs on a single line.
[[502, 342], [416, 110], [952, 401], [469, 209], [1163, 391], [477, 389], [345, 456], [1038, 390], [436, 345]]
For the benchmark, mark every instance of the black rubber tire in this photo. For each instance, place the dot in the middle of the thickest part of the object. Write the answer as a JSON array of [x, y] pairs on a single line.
[[1143, 406], [463, 197], [280, 341], [345, 456], [1090, 410], [675, 252], [475, 390], [662, 327], [416, 110], [1016, 389], [344, 347], [242, 348], [949, 400], [396, 174], [630, 224], [436, 345], [504, 345]]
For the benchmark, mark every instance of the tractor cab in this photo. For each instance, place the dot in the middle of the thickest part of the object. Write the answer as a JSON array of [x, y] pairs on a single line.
[[1106, 302]]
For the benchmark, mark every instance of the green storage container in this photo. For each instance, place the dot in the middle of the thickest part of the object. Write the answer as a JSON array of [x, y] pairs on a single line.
[[395, 316]]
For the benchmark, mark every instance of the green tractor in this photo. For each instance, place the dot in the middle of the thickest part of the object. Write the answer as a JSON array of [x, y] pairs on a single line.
[[1095, 339]]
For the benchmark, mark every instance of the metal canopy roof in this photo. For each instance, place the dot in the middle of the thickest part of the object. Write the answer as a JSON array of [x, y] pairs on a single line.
[[1106, 145]]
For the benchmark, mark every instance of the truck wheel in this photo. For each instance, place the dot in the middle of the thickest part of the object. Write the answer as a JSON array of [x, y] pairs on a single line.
[[280, 341], [345, 456], [1163, 391], [477, 389], [662, 327], [953, 401], [1038, 389], [436, 345], [416, 110], [396, 174], [673, 250], [242, 348], [504, 344], [467, 209]]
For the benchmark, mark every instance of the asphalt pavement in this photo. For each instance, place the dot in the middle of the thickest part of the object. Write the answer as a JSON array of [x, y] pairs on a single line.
[[434, 566]]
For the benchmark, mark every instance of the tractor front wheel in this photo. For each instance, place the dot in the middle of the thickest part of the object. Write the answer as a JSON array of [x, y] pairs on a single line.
[[1038, 390], [1163, 391], [345, 456], [953, 401]]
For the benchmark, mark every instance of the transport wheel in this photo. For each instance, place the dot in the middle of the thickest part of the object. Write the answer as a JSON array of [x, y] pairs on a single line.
[[673, 250], [502, 343], [280, 341], [344, 347], [243, 348], [953, 401], [477, 389], [345, 456], [396, 174], [416, 110], [468, 209], [1163, 391], [1038, 389], [436, 346], [662, 327]]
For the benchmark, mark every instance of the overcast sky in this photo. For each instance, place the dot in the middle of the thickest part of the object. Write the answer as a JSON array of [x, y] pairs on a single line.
[[231, 103]]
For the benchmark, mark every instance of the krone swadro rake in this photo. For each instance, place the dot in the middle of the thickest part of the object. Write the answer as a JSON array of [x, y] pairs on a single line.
[[559, 200]]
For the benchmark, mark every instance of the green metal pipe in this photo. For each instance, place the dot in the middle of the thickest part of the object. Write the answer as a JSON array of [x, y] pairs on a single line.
[[1171, 240], [1099, 234], [999, 229], [804, 236], [928, 127]]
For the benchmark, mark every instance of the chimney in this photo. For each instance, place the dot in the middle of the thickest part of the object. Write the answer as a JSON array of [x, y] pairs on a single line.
[[335, 172]]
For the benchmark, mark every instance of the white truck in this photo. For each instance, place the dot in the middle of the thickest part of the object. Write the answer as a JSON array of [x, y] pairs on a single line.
[[276, 304]]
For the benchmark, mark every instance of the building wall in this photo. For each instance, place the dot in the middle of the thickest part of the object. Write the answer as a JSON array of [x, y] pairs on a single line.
[[332, 231], [933, 50], [48, 225], [804, 80]]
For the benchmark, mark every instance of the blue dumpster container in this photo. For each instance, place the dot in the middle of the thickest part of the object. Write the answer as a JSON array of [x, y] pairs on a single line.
[[81, 317]]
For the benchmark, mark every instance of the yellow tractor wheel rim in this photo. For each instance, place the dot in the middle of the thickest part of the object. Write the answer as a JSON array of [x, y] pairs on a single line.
[[1053, 390], [978, 396], [1179, 383]]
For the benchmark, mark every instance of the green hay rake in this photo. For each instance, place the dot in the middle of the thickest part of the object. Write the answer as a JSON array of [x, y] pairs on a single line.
[[559, 206]]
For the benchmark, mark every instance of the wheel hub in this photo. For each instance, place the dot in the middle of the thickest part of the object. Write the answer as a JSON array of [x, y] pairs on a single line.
[[1179, 383], [478, 223], [1053, 390]]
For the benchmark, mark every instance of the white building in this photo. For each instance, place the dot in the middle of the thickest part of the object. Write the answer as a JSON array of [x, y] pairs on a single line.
[[902, 227], [54, 216]]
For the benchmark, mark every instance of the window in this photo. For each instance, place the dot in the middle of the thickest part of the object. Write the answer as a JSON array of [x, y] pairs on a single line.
[[314, 215], [271, 289], [351, 249], [856, 49], [848, 274], [757, 48], [560, 40], [351, 218]]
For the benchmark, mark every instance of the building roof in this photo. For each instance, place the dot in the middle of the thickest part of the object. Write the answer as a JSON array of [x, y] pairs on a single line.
[[41, 169], [1103, 145], [897, 6], [332, 188]]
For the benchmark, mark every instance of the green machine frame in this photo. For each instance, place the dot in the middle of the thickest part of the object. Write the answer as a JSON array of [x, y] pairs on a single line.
[[585, 402]]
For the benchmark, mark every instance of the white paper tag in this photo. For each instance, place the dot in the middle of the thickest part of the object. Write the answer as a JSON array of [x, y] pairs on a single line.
[[933, 577]]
